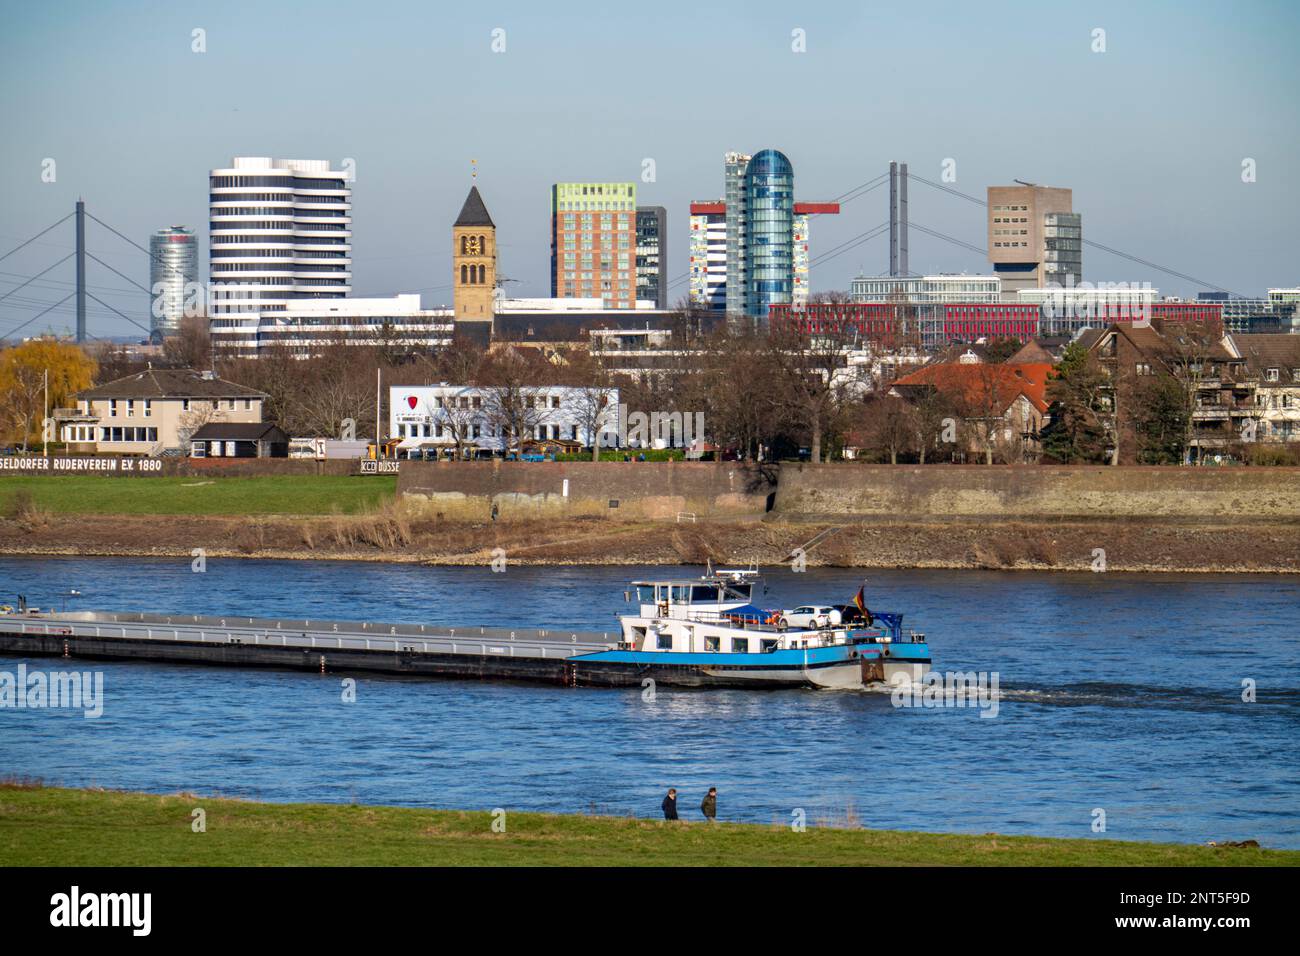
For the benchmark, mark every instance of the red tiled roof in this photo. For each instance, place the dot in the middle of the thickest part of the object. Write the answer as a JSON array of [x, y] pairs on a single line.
[[973, 382]]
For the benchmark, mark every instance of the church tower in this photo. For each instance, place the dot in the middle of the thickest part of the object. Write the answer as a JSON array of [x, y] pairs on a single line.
[[474, 266]]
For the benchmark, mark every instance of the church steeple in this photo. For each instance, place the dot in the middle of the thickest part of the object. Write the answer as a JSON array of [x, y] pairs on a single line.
[[474, 213], [474, 261]]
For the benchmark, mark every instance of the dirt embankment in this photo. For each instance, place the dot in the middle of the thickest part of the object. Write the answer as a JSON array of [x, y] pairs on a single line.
[[393, 536]]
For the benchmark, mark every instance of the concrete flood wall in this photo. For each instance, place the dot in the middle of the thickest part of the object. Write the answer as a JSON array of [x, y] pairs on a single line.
[[969, 492], [471, 490]]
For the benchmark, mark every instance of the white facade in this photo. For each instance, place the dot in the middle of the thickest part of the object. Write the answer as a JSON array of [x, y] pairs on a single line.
[[307, 325], [470, 418], [549, 306], [708, 261], [919, 290], [280, 231], [802, 262]]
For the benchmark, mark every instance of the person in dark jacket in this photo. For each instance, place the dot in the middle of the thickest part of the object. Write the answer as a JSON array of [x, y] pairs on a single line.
[[710, 805], [670, 805]]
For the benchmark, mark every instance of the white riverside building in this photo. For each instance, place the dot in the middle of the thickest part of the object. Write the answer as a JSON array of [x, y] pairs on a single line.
[[279, 234], [472, 418]]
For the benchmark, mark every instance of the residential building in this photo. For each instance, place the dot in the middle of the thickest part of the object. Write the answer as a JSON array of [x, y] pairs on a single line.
[[1002, 407], [707, 259], [279, 233], [1035, 239], [1220, 393], [593, 242], [154, 412], [652, 256], [1273, 366], [173, 279], [473, 267], [469, 421]]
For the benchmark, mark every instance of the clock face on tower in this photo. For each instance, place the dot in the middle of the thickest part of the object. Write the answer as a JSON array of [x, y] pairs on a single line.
[[472, 246]]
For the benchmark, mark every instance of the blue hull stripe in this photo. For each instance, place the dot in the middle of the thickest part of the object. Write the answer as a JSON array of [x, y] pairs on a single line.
[[838, 653]]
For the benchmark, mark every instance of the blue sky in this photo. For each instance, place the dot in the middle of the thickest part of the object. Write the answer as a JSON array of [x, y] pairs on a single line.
[[1150, 134]]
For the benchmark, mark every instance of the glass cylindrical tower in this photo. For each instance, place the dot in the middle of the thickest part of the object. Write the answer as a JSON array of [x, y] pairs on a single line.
[[173, 262], [769, 233]]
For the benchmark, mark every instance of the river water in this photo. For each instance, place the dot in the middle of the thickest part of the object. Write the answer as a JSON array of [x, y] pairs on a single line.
[[1121, 693]]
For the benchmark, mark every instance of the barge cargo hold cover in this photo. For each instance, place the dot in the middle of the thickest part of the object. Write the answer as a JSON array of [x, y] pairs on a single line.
[[298, 644]]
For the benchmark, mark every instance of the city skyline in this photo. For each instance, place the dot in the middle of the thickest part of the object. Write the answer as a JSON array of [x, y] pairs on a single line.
[[1160, 180]]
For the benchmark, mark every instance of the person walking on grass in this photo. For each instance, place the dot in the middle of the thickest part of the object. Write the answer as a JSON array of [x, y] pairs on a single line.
[[710, 805], [670, 805]]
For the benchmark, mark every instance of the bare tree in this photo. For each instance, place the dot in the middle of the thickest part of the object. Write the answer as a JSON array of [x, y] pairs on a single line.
[[512, 405], [808, 365], [889, 423], [190, 346]]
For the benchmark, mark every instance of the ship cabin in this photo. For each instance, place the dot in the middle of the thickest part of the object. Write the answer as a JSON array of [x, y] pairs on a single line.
[[705, 598]]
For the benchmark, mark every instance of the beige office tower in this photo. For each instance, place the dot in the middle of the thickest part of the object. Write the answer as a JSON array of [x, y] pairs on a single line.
[[1035, 238]]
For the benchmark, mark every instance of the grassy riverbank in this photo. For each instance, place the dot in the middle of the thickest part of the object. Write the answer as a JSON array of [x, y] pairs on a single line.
[[314, 517], [280, 495], [54, 826]]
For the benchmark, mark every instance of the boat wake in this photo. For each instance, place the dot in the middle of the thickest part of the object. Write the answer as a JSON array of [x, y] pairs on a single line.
[[1145, 696]]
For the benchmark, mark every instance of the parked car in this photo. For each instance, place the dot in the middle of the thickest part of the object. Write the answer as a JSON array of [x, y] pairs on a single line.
[[809, 615]]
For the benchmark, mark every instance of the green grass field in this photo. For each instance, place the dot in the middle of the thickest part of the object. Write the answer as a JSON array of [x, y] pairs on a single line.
[[49, 826], [284, 495]]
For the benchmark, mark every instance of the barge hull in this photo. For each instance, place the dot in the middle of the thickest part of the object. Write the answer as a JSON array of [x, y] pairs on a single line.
[[427, 665], [466, 666]]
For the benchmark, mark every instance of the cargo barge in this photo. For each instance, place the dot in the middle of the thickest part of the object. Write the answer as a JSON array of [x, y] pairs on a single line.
[[701, 632]]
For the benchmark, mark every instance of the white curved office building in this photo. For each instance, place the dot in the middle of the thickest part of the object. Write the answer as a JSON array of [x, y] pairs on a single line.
[[279, 232]]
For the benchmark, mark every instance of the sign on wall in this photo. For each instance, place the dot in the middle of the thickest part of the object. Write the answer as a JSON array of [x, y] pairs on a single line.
[[63, 465]]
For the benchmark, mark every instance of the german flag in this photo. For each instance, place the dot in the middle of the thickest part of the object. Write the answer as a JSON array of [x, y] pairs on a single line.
[[860, 599]]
